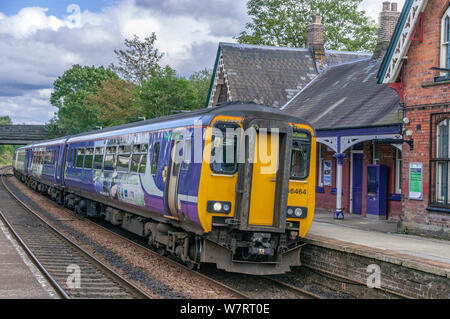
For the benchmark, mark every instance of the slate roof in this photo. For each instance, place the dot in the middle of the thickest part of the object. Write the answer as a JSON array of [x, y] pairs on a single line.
[[345, 96], [272, 75]]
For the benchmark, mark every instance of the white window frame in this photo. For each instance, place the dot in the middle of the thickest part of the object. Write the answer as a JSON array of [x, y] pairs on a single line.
[[398, 171], [375, 152], [444, 42], [440, 197], [320, 181]]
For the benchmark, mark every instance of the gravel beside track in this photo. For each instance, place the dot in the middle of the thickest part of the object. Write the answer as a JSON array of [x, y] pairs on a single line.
[[58, 258], [152, 273]]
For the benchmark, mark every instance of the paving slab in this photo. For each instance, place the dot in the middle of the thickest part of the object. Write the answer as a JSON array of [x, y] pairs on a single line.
[[19, 277]]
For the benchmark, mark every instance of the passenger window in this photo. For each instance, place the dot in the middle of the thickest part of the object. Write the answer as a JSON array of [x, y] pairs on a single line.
[[186, 153], [155, 159], [123, 161], [80, 157], [110, 158], [301, 148], [89, 158], [224, 150], [135, 162], [98, 158], [143, 164]]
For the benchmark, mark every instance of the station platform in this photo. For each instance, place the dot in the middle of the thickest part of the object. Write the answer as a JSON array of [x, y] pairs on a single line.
[[378, 239], [19, 277]]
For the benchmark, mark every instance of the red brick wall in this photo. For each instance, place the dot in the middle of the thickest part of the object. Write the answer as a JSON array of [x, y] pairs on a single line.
[[421, 101]]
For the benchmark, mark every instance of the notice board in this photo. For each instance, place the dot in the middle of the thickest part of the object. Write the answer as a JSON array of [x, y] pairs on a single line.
[[415, 181]]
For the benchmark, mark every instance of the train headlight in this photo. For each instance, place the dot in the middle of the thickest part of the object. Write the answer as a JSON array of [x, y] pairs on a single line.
[[218, 207], [297, 212], [290, 212]]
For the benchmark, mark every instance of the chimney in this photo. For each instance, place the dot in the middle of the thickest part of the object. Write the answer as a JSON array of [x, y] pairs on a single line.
[[388, 20], [315, 39]]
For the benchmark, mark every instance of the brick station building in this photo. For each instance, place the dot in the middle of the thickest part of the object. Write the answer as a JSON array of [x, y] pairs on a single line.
[[359, 123], [417, 66]]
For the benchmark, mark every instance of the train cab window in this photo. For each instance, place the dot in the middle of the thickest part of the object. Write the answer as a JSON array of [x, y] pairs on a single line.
[[155, 158], [301, 148], [89, 158], [98, 158], [224, 149], [80, 157], [110, 158], [144, 148]]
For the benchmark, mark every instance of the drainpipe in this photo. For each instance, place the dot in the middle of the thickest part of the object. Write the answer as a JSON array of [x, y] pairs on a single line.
[[339, 214]]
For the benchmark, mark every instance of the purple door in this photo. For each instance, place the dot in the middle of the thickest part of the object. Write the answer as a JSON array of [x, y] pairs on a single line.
[[357, 183]]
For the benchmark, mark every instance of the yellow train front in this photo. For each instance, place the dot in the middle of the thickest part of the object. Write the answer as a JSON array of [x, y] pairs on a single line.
[[256, 195]]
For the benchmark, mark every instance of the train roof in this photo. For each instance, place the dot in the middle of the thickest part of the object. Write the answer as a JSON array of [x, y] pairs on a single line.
[[202, 117]]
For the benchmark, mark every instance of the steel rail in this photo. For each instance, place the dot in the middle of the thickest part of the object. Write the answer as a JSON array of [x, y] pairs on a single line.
[[107, 271], [172, 262], [296, 290], [59, 290]]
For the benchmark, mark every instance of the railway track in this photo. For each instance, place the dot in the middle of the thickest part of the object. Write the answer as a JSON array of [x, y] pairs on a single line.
[[213, 282], [73, 272]]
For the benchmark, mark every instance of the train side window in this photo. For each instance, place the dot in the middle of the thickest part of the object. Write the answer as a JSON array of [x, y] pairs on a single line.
[[98, 158], [80, 157], [224, 149], [88, 158], [155, 158], [135, 159], [301, 149], [74, 157], [143, 164], [123, 161], [186, 153], [110, 158], [144, 148]]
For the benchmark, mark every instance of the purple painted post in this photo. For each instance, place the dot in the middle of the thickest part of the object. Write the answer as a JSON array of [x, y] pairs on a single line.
[[338, 214]]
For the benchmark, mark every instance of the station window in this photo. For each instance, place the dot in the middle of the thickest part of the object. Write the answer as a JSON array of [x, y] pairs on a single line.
[[301, 149], [89, 158], [445, 37], [80, 157], [155, 159], [98, 158]]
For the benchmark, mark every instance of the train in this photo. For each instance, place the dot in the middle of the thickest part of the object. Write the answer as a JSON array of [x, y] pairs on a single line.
[[232, 185]]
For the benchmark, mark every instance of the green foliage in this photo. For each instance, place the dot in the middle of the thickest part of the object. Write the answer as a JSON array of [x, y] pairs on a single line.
[[165, 93], [69, 92], [285, 22], [140, 61], [200, 82], [6, 151]]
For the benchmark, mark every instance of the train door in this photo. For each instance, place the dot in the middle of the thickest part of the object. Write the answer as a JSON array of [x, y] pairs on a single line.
[[173, 201], [265, 167]]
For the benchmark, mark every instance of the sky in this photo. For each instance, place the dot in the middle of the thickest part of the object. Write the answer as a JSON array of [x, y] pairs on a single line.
[[40, 39]]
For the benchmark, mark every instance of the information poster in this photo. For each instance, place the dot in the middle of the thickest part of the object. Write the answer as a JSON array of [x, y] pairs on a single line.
[[415, 180], [327, 172]]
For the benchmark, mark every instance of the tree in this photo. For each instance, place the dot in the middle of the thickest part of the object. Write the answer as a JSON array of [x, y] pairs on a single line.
[[6, 151], [285, 22], [140, 61], [69, 92], [200, 82], [165, 94], [114, 103]]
